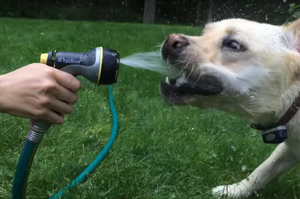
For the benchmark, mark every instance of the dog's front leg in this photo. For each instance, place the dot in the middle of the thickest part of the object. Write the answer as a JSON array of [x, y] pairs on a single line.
[[281, 160]]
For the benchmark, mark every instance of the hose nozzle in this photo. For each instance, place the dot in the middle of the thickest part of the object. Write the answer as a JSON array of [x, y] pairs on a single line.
[[100, 65]]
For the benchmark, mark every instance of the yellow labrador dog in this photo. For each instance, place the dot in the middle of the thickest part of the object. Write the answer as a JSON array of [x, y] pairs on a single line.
[[249, 69]]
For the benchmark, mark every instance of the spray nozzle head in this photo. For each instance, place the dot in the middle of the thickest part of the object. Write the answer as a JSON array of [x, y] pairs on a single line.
[[108, 73]]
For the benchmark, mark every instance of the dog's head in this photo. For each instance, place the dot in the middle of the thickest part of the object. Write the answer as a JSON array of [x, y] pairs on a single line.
[[248, 68]]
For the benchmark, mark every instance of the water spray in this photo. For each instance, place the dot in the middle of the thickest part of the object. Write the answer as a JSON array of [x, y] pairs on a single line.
[[100, 66]]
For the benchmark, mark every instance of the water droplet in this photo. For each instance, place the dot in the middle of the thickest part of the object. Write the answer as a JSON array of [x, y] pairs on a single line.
[[256, 194], [233, 148], [244, 168]]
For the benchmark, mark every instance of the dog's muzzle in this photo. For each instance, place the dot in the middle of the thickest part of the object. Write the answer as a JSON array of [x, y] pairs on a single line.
[[174, 50]]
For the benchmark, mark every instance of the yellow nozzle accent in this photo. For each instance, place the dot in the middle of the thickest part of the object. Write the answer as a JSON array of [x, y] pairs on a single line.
[[116, 74], [44, 58], [100, 64]]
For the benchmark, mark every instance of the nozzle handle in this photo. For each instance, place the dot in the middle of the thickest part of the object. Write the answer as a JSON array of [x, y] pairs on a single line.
[[100, 65], [63, 59]]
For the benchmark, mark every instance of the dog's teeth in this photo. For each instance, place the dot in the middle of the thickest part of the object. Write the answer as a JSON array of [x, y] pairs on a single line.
[[167, 80]]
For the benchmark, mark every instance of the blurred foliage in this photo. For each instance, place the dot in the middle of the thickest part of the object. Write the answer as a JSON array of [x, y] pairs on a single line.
[[186, 12], [294, 12]]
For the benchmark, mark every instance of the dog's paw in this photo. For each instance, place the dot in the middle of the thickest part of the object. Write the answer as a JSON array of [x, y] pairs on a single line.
[[234, 191]]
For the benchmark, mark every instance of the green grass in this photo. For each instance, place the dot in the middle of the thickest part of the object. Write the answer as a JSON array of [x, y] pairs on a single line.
[[161, 152]]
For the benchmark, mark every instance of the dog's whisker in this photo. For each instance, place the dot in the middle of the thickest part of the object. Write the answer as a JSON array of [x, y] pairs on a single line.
[[182, 70], [180, 62], [185, 80], [197, 79]]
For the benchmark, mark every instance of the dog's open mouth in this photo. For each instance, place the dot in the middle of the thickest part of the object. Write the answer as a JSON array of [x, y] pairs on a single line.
[[205, 85], [181, 89]]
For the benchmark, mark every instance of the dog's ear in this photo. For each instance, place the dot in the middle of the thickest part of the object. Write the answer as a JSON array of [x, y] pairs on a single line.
[[294, 28], [292, 42]]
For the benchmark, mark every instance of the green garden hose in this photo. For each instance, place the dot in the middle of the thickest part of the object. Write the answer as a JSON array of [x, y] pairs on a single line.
[[23, 169], [30, 148]]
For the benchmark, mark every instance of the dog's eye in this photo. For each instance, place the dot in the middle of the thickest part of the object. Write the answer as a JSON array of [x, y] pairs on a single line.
[[231, 44]]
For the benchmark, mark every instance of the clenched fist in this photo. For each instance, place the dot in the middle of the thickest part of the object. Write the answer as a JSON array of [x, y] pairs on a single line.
[[37, 91]]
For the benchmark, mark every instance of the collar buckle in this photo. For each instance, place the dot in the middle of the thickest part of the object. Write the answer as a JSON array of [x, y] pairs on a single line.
[[274, 135]]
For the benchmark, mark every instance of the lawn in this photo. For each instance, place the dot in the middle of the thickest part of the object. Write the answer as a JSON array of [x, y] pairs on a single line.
[[161, 152]]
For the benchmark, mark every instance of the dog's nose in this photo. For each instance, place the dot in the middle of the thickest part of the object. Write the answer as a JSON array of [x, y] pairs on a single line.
[[174, 42]]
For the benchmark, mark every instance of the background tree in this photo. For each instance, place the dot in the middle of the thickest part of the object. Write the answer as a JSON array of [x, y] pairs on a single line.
[[184, 12], [149, 11]]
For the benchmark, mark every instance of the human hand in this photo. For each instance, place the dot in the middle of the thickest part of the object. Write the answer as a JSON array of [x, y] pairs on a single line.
[[37, 91]]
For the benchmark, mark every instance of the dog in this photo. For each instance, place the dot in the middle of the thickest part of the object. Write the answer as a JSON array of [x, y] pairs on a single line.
[[249, 69]]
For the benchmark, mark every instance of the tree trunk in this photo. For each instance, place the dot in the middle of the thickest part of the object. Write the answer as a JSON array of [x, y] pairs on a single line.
[[198, 12], [21, 7], [149, 11], [210, 11]]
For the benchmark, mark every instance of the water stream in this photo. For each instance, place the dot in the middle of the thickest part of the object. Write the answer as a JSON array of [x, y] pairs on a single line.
[[149, 61]]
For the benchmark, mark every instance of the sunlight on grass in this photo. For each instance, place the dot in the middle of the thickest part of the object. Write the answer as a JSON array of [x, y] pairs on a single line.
[[160, 152]]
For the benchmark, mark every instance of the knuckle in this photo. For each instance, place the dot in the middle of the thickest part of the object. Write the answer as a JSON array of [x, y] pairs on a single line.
[[44, 101], [68, 109], [40, 113], [74, 98], [71, 97], [49, 85], [49, 71], [73, 83], [59, 120], [77, 84]]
